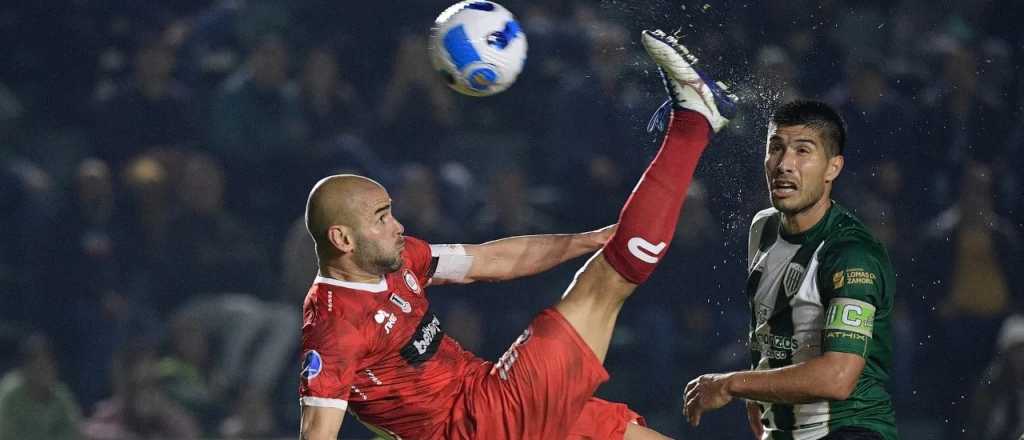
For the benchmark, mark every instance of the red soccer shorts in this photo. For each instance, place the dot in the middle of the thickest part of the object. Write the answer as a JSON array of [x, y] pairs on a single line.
[[541, 389], [602, 419]]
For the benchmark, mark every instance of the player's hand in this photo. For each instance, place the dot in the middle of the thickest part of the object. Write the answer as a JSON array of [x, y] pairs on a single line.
[[754, 417], [705, 393]]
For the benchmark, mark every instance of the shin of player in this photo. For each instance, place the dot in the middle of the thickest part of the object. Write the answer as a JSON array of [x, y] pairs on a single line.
[[648, 220]]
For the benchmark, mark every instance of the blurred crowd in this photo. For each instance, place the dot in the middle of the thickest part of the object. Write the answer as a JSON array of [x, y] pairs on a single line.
[[155, 158]]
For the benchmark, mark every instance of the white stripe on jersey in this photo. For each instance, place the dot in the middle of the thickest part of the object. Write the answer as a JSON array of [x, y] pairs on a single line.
[[377, 287], [806, 315], [809, 433], [341, 404]]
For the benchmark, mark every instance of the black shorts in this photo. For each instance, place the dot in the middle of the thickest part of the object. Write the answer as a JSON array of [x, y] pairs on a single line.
[[853, 433]]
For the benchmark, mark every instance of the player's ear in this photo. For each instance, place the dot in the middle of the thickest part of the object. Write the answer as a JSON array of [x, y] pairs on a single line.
[[341, 238], [835, 166]]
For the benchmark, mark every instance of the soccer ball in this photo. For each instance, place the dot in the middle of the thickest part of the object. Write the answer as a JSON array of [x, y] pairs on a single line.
[[478, 47]]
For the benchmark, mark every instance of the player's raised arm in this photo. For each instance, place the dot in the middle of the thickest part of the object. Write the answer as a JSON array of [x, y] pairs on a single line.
[[320, 422], [513, 257]]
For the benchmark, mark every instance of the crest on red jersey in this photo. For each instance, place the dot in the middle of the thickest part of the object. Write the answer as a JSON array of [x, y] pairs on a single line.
[[410, 280]]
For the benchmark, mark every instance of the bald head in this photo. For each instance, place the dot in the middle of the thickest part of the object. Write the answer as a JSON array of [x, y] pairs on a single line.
[[341, 200]]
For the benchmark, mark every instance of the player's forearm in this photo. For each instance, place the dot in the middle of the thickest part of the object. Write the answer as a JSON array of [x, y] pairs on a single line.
[[527, 255], [811, 381]]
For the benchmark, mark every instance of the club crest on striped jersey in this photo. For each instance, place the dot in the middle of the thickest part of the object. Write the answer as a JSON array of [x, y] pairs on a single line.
[[410, 280], [792, 279], [764, 312]]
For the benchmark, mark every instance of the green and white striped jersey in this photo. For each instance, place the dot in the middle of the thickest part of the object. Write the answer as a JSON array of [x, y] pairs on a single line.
[[827, 289]]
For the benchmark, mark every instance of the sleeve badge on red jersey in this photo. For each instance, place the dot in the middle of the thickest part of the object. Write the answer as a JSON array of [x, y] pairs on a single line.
[[410, 280], [312, 364]]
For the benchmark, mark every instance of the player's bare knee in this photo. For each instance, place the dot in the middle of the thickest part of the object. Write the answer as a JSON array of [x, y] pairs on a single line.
[[598, 279], [607, 278], [637, 432]]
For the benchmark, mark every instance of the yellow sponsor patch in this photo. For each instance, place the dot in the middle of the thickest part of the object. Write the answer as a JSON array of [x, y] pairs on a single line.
[[857, 276], [838, 280]]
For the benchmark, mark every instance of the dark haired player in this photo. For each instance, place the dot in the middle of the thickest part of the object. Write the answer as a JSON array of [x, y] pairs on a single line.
[[821, 295]]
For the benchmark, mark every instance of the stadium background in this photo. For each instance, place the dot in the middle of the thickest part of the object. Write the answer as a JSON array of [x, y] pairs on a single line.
[[155, 157]]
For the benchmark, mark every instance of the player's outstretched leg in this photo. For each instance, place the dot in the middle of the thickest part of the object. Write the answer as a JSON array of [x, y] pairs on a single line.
[[549, 375], [648, 219]]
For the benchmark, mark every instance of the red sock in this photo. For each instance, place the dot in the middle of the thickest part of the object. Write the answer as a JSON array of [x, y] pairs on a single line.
[[648, 220]]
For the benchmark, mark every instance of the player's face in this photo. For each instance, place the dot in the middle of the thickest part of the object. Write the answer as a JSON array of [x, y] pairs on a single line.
[[797, 167], [379, 242]]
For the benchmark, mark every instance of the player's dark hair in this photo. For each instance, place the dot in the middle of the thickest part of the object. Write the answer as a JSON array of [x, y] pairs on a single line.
[[818, 115]]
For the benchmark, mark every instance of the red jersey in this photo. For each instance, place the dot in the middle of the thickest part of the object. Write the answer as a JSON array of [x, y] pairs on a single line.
[[377, 350]]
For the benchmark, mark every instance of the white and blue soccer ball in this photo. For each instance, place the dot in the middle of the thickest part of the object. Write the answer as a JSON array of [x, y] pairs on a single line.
[[478, 47]]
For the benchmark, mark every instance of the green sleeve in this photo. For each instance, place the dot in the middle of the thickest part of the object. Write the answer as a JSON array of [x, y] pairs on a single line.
[[22, 418], [8, 405], [851, 283], [71, 419]]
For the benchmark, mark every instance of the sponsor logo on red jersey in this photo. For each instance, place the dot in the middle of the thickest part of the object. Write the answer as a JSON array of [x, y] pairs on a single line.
[[425, 340], [381, 317], [401, 303]]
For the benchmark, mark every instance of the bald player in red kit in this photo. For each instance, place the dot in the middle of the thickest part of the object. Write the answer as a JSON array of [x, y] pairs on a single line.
[[372, 346]]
